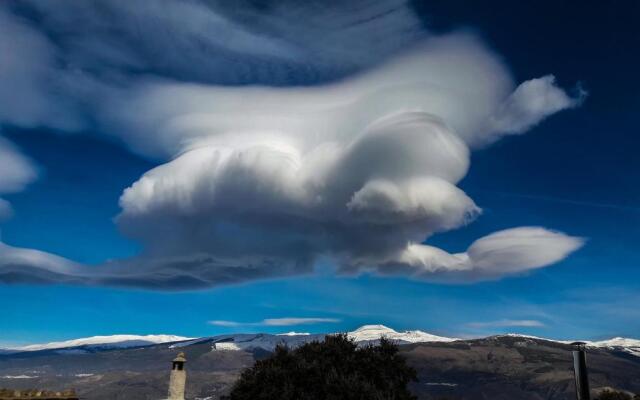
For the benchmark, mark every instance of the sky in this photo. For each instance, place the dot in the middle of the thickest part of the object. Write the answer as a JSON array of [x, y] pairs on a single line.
[[203, 167]]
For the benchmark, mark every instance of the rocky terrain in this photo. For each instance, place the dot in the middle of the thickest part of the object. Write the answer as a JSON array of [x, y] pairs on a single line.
[[499, 368]]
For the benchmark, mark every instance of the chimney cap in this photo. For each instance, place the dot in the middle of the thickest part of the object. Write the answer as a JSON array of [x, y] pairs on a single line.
[[180, 358]]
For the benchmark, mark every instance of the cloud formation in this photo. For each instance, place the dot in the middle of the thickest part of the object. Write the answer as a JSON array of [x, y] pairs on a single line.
[[508, 252], [507, 323], [530, 103], [18, 265], [504, 253], [289, 321], [221, 42], [16, 172], [30, 81], [260, 181], [198, 271]]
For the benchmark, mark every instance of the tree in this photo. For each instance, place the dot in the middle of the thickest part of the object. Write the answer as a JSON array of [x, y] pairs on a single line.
[[613, 395], [334, 369]]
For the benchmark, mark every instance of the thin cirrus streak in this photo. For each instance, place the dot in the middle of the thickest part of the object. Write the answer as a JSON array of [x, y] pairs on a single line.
[[507, 323], [290, 321]]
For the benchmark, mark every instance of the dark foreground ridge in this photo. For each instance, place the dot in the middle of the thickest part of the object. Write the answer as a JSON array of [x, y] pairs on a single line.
[[497, 368]]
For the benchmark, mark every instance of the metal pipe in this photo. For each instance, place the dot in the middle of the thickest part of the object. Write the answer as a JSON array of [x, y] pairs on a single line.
[[580, 371]]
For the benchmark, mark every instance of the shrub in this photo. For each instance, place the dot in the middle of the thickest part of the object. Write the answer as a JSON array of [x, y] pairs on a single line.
[[334, 369]]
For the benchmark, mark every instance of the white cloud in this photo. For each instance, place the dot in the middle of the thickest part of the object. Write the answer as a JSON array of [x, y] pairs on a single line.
[[18, 265], [59, 70], [225, 324], [530, 103], [354, 170], [227, 42], [518, 249], [261, 181], [290, 206], [290, 321], [507, 323], [508, 252], [298, 321], [6, 211], [16, 172], [28, 78], [197, 271], [444, 77]]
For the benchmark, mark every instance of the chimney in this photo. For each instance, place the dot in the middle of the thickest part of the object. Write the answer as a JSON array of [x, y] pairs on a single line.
[[178, 378], [580, 371]]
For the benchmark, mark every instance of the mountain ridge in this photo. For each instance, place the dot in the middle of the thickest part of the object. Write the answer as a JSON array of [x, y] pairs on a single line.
[[364, 334], [107, 341], [501, 367]]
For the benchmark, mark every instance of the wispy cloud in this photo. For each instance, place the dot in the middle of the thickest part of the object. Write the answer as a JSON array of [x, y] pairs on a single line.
[[289, 321], [226, 324], [507, 323], [297, 321]]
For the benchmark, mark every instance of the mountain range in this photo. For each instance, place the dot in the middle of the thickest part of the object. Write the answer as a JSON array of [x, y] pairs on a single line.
[[503, 367], [364, 334]]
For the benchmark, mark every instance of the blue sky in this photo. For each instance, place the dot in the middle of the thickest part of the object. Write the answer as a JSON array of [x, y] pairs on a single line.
[[574, 172]]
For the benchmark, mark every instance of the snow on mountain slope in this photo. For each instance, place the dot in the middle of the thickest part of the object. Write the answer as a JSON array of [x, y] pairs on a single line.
[[113, 341], [292, 333], [618, 343], [364, 334], [261, 341], [531, 337], [631, 346], [375, 332]]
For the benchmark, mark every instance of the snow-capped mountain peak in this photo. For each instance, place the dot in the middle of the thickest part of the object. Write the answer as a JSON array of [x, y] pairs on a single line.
[[616, 342], [378, 327], [375, 332], [112, 341], [631, 346], [371, 332]]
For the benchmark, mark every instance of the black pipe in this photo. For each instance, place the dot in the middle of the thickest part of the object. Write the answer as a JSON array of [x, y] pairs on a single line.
[[580, 371]]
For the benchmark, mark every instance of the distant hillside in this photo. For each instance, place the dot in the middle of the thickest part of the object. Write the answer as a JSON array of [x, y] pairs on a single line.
[[504, 367], [112, 341]]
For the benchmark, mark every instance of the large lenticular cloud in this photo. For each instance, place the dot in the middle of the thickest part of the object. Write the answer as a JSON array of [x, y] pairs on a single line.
[[361, 171], [261, 181]]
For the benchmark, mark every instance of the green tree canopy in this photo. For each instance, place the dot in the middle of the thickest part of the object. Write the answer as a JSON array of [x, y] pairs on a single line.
[[334, 369]]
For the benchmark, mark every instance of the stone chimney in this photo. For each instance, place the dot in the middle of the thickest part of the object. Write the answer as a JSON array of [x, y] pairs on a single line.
[[178, 378]]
